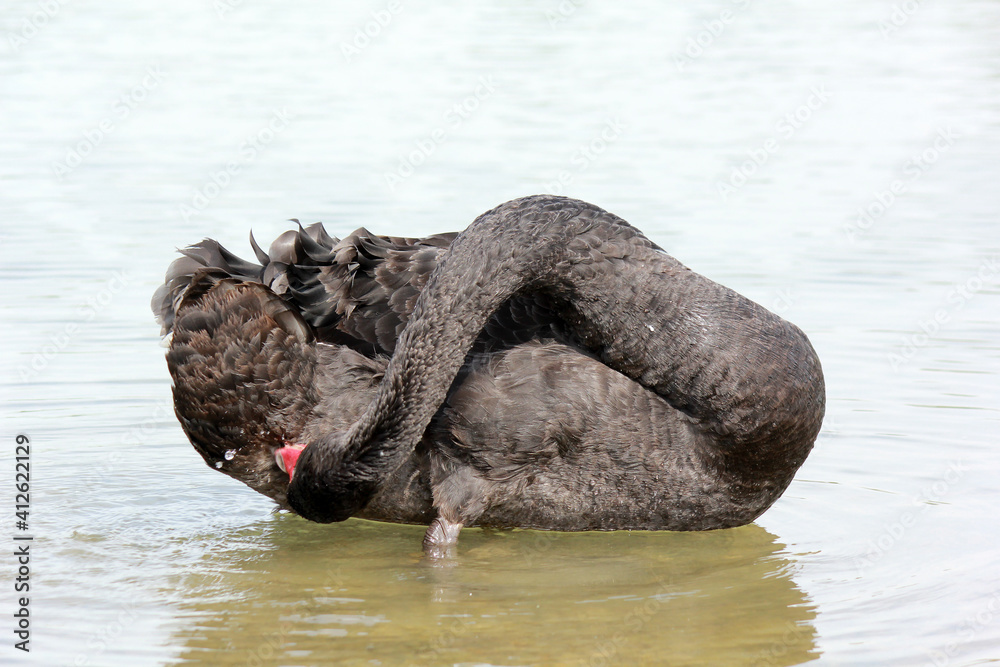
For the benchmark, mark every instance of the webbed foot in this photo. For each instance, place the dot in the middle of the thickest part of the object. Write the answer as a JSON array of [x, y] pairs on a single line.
[[441, 537]]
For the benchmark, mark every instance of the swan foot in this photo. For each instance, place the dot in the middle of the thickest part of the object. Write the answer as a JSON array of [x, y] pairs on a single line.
[[441, 537]]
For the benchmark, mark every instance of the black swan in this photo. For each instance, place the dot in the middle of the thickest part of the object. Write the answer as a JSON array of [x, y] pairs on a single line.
[[608, 386]]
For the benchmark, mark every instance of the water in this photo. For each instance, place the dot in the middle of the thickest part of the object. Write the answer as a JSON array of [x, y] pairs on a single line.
[[840, 176]]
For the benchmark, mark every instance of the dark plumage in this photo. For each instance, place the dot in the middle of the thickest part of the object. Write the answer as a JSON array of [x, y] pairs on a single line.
[[551, 368]]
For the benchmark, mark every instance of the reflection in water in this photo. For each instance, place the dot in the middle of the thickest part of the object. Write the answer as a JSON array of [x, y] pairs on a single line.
[[363, 592]]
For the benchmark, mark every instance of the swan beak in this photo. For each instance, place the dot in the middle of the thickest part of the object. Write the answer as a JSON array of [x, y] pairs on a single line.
[[287, 456]]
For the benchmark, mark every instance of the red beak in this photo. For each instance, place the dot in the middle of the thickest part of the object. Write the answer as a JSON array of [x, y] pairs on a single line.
[[287, 457]]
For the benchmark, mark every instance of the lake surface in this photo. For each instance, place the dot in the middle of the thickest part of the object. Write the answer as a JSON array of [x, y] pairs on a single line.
[[836, 163]]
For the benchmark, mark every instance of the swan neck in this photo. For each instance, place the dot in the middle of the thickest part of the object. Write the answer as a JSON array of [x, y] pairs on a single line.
[[746, 378]]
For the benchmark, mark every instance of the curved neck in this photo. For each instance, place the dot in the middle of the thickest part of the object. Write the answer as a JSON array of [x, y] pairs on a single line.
[[741, 373]]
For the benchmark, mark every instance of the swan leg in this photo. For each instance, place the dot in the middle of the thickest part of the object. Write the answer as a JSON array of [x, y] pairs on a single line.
[[441, 537]]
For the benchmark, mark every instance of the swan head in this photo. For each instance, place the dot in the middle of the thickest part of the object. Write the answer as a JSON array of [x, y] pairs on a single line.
[[322, 494], [327, 486], [250, 460]]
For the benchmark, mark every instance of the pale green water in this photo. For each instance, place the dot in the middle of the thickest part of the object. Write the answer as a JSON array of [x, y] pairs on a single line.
[[200, 121], [515, 598]]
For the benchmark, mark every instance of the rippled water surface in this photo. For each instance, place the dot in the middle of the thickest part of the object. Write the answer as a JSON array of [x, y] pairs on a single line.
[[836, 163]]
